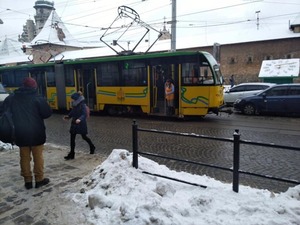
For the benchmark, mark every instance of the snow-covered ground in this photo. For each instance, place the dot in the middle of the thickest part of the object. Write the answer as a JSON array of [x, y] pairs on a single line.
[[116, 193], [5, 147]]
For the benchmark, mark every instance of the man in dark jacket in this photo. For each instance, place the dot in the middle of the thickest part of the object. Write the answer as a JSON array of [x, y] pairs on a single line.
[[29, 111]]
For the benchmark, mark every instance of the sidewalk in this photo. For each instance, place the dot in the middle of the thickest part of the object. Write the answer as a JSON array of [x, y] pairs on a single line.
[[45, 205]]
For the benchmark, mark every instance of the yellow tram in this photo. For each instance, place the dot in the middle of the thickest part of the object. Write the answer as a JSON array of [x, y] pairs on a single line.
[[128, 84]]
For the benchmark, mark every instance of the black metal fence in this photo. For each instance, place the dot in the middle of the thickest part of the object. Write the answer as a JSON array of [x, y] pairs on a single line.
[[236, 155]]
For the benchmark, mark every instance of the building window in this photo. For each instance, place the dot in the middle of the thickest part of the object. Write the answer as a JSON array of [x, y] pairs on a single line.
[[232, 60], [250, 59], [268, 57], [288, 56]]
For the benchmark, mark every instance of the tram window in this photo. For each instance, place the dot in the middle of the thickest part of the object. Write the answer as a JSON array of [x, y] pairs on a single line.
[[108, 74], [38, 75], [69, 77], [13, 78], [134, 74], [207, 77], [51, 79], [218, 75], [190, 73], [8, 79], [19, 76], [193, 74]]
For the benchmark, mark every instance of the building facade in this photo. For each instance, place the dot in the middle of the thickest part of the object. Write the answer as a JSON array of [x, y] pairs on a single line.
[[43, 10], [243, 60], [32, 28]]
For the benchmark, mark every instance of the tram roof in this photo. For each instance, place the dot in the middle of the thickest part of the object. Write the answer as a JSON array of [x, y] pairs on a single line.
[[108, 58], [133, 56]]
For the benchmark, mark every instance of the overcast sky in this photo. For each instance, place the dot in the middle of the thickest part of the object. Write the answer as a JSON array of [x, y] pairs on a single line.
[[85, 18]]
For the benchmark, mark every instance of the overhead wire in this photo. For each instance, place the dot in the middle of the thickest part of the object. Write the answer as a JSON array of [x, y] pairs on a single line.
[[160, 21], [240, 21], [89, 14]]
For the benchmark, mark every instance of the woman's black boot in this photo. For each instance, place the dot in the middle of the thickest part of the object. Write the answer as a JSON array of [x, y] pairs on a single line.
[[71, 155], [92, 149]]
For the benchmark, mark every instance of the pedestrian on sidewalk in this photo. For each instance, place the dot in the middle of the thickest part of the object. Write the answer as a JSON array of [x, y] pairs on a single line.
[[29, 111], [78, 115], [231, 80]]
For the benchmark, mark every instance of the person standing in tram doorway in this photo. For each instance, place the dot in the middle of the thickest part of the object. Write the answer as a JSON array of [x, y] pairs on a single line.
[[169, 94]]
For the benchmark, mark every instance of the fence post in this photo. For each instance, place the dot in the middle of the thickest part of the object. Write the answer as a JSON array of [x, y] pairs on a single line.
[[236, 161], [134, 145]]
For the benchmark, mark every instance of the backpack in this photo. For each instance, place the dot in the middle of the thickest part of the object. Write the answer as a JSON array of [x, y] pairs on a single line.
[[7, 127], [88, 111]]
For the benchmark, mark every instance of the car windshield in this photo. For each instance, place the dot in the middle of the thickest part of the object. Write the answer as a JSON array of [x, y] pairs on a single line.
[[2, 90], [258, 93]]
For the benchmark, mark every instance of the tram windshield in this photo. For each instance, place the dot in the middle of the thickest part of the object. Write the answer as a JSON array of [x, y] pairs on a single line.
[[216, 68], [206, 72]]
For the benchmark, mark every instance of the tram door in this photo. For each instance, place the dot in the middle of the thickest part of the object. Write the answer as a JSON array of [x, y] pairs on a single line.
[[160, 73], [40, 78], [86, 84]]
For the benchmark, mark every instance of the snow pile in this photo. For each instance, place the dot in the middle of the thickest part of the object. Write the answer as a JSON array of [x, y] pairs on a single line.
[[117, 193], [5, 146]]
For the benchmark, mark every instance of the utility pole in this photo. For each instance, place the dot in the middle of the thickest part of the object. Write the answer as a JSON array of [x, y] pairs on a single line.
[[257, 19], [173, 27]]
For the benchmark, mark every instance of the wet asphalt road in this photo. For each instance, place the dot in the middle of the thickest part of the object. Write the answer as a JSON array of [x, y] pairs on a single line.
[[110, 133]]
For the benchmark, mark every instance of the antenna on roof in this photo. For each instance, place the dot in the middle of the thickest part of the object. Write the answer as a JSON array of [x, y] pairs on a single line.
[[257, 19]]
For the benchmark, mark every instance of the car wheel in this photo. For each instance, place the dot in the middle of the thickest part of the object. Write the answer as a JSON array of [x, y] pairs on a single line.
[[249, 109]]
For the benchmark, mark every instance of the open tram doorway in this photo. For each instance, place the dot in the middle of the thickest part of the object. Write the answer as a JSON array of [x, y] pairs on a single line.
[[159, 75], [40, 77], [86, 84]]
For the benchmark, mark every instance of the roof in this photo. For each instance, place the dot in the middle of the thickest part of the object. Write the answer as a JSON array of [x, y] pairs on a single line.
[[254, 83], [295, 23], [10, 48], [10, 52], [55, 32]]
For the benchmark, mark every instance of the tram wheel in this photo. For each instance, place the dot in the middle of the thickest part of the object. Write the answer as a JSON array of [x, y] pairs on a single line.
[[112, 110]]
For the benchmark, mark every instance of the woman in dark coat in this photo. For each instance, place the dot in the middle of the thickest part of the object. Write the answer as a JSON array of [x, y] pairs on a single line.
[[78, 124]]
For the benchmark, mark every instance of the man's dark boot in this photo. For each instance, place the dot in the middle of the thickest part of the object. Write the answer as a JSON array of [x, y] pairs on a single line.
[[42, 183], [71, 155], [168, 111], [28, 185], [172, 110]]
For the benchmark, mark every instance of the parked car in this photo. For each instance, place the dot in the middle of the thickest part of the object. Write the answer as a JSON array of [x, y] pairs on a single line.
[[244, 90], [3, 95], [281, 99], [226, 88]]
